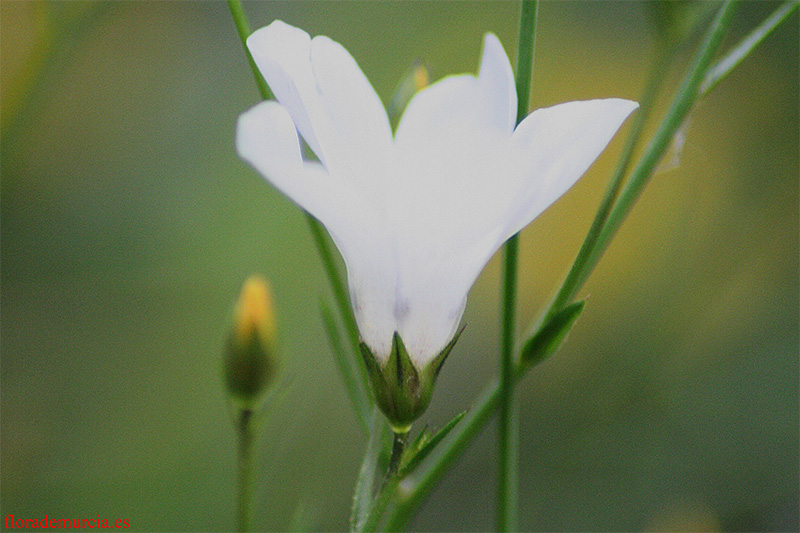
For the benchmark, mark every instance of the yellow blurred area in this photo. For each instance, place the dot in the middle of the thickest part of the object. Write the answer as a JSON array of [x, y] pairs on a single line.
[[128, 226]]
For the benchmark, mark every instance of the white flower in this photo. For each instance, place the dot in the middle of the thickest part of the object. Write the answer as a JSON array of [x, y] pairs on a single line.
[[415, 215]]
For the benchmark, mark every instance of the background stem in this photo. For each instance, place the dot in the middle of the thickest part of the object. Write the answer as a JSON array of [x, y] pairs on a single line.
[[579, 272], [247, 467], [508, 426]]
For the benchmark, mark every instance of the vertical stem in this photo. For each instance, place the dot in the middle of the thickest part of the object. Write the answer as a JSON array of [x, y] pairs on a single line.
[[459, 438], [398, 445], [508, 433], [246, 459], [484, 407], [508, 426]]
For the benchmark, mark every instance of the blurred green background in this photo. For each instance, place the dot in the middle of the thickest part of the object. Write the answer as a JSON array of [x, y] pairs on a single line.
[[129, 224]]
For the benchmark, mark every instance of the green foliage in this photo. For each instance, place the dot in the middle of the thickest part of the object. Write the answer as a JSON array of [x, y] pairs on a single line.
[[546, 341], [368, 474], [348, 371], [424, 444]]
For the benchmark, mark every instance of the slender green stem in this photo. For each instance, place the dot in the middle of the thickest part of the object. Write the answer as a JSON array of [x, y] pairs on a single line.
[[243, 29], [722, 67], [525, 50], [247, 468], [380, 504], [389, 486], [683, 102], [363, 496], [578, 273], [398, 445], [507, 432], [508, 428], [458, 440], [317, 230]]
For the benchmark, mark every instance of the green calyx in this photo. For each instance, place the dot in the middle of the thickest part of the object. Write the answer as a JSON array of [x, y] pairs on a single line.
[[249, 368], [402, 391]]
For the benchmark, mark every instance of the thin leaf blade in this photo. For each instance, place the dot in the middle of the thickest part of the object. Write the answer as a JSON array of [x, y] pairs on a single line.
[[426, 446], [549, 337], [358, 396], [367, 474]]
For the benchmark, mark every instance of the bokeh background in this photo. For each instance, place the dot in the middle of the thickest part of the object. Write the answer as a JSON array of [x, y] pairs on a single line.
[[129, 224]]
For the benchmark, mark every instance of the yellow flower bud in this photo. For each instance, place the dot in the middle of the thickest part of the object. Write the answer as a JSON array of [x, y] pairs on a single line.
[[413, 81], [250, 359]]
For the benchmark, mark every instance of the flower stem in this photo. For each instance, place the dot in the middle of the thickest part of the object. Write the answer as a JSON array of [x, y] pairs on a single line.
[[616, 205], [508, 433], [247, 467], [461, 435], [243, 29], [743, 49], [398, 445], [508, 426]]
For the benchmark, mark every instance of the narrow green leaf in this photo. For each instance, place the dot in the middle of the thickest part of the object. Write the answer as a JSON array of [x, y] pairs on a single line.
[[550, 336], [424, 445], [355, 391], [362, 496], [722, 67], [420, 441]]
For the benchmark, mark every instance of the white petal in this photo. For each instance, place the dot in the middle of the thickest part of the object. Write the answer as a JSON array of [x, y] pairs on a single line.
[[558, 144], [497, 81], [266, 138], [283, 55], [354, 109], [432, 297], [449, 209], [330, 100]]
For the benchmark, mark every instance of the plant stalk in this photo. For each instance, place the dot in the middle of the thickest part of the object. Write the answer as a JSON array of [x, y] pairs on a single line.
[[508, 425], [247, 470]]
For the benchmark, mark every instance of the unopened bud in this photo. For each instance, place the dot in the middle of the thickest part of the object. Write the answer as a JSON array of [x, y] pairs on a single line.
[[250, 361], [414, 80]]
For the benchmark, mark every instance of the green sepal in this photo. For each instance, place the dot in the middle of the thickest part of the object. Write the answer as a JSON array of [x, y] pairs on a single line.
[[248, 368], [402, 391], [424, 444], [550, 336]]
